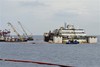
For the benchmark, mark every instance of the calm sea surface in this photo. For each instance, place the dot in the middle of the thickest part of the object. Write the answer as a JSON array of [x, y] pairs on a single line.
[[81, 55]]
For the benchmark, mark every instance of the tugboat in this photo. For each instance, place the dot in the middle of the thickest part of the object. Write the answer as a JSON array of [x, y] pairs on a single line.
[[72, 42]]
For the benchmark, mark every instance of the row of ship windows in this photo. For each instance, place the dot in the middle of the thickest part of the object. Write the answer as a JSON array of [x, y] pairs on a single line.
[[68, 31], [71, 30], [73, 33]]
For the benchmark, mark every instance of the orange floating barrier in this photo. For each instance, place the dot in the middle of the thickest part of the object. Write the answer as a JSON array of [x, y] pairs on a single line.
[[29, 61]]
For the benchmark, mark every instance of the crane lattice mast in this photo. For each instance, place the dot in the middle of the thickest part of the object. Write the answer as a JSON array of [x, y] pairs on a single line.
[[15, 31], [23, 28]]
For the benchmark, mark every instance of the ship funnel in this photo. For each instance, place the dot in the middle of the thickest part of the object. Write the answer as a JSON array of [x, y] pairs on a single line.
[[65, 25]]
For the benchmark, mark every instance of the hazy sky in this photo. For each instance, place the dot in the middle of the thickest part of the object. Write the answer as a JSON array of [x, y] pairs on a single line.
[[40, 16]]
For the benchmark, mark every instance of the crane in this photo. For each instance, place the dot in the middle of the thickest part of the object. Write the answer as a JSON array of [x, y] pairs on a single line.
[[23, 28], [28, 37], [20, 37]]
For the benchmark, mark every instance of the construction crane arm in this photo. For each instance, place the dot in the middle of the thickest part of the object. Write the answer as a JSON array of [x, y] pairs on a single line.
[[15, 30], [23, 28], [28, 37]]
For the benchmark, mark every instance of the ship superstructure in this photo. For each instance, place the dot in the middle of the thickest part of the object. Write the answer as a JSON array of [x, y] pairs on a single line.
[[70, 31]]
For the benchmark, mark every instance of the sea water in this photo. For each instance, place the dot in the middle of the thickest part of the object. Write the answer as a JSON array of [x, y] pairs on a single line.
[[79, 55]]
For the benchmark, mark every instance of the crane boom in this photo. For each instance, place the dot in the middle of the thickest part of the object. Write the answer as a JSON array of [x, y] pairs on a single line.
[[15, 31], [28, 37], [23, 28]]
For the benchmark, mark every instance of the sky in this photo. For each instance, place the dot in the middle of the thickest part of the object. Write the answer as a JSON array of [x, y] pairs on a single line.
[[39, 16]]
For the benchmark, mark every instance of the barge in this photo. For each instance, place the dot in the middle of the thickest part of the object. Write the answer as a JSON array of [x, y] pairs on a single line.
[[6, 37], [69, 35]]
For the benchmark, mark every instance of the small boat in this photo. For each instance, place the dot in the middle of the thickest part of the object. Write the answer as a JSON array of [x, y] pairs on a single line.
[[72, 42]]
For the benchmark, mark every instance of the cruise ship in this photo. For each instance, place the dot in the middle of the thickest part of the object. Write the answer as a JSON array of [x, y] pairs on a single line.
[[70, 31], [69, 34]]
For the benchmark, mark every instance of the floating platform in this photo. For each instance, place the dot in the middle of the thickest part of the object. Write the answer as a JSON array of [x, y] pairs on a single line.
[[6, 37]]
